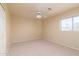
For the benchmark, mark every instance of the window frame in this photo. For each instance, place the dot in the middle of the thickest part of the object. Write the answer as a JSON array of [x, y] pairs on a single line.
[[61, 24], [72, 22]]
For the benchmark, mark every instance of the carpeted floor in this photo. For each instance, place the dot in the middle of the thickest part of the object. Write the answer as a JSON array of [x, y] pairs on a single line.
[[41, 48]]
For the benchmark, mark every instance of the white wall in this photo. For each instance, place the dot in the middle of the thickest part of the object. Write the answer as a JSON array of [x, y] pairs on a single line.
[[23, 29], [4, 31], [53, 33]]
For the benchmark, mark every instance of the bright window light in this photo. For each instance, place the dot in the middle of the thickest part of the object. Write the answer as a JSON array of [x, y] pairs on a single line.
[[76, 23], [66, 24]]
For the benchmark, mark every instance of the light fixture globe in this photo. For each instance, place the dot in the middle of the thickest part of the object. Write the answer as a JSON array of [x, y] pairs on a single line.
[[38, 15]]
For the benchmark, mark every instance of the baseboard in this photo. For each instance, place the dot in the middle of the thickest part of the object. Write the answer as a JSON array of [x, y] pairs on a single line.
[[23, 41], [63, 45]]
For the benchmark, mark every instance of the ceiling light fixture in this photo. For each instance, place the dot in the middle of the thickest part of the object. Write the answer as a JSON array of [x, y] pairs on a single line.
[[38, 15]]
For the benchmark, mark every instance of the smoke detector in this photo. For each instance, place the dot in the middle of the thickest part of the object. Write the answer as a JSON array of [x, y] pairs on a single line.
[[49, 9]]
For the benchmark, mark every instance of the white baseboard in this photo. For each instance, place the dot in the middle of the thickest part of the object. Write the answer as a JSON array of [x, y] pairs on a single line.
[[63, 45]]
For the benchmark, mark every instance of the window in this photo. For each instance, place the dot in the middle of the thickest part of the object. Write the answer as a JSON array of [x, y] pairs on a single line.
[[76, 23], [66, 24], [70, 24]]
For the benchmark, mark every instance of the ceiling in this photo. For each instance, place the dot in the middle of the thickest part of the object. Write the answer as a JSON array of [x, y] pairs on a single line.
[[28, 10]]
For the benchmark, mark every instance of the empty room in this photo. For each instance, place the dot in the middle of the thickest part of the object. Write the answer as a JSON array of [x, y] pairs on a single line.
[[39, 29]]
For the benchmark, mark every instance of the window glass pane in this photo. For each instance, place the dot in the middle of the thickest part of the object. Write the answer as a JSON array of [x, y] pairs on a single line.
[[76, 23], [66, 24]]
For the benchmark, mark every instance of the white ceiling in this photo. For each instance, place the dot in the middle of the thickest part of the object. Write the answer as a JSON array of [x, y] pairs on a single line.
[[28, 10]]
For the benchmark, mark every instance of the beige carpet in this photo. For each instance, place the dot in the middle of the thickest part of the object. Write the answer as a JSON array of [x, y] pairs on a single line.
[[41, 48]]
